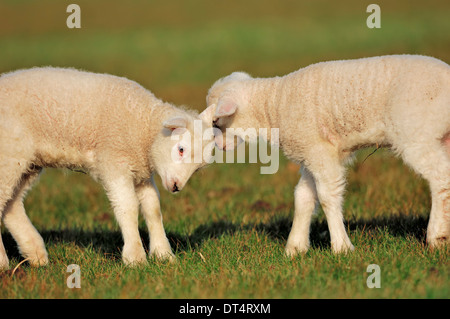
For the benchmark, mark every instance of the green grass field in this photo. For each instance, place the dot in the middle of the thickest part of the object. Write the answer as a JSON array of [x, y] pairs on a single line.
[[228, 227]]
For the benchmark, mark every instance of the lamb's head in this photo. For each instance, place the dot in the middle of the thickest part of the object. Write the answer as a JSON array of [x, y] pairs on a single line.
[[227, 99], [226, 83], [184, 145]]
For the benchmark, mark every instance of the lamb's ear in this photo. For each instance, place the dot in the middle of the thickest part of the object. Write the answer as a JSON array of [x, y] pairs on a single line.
[[208, 113], [239, 76], [225, 108], [175, 122]]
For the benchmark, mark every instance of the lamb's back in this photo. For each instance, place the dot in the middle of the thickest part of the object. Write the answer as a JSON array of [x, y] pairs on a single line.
[[351, 100], [67, 111]]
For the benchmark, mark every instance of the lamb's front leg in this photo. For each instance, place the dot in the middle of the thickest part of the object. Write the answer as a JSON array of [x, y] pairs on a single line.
[[121, 193], [149, 197], [329, 176], [305, 202]]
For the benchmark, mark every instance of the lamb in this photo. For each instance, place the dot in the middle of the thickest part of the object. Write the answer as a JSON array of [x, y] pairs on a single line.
[[328, 110], [108, 126]]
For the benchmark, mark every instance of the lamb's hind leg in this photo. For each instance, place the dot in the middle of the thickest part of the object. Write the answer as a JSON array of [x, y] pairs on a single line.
[[30, 243], [433, 163], [4, 261], [11, 171]]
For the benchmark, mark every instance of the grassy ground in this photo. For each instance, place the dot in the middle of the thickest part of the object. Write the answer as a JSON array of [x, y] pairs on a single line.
[[229, 226]]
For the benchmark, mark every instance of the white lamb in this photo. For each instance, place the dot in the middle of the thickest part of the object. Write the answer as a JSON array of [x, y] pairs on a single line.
[[108, 126], [328, 110]]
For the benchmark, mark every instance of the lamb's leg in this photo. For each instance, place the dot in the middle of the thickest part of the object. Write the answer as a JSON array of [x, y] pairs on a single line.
[[305, 202], [438, 231], [30, 243], [11, 171], [149, 198], [329, 176], [121, 193], [4, 261], [433, 163]]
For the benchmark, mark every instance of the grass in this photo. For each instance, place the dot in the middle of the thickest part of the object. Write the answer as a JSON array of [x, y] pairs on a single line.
[[231, 245], [229, 226]]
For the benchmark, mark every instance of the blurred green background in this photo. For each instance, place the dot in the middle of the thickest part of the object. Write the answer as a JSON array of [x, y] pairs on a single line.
[[178, 49], [229, 225]]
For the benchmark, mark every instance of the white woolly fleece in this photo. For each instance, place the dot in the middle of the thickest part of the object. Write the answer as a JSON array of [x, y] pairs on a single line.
[[328, 110], [112, 128]]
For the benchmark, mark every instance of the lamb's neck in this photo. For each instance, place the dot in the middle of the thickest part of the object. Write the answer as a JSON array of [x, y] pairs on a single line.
[[160, 112], [263, 100], [147, 126]]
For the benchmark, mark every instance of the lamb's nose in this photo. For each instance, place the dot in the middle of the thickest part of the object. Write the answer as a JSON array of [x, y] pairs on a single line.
[[175, 188]]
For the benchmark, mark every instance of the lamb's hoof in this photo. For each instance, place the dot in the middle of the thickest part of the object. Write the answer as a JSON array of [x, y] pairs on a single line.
[[439, 242], [343, 249], [135, 263], [166, 256], [38, 260], [4, 265], [293, 251], [134, 256]]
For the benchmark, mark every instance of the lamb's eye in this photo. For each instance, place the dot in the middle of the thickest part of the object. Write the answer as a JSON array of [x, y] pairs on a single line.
[[180, 150], [215, 124]]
